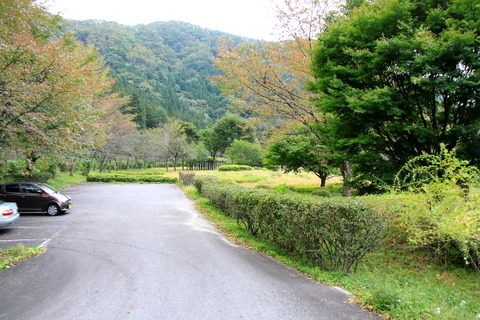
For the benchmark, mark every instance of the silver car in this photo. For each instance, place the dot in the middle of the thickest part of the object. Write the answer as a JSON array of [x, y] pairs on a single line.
[[8, 213]]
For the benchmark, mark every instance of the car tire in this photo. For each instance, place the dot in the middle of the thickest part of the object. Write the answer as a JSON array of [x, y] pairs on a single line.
[[53, 209]]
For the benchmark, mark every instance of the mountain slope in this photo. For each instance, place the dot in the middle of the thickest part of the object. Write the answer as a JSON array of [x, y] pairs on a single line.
[[163, 66]]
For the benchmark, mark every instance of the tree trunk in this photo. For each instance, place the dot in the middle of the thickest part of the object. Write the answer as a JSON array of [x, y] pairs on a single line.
[[102, 163], [346, 170], [323, 178]]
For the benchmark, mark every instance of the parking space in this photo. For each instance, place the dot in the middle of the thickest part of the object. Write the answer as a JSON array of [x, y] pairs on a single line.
[[33, 230]]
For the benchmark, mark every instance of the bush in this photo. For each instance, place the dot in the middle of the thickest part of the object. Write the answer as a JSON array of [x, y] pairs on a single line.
[[129, 178], [447, 191], [335, 233], [199, 181], [234, 167], [187, 177]]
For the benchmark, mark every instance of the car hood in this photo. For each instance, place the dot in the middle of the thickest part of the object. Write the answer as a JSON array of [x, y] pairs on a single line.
[[62, 197]]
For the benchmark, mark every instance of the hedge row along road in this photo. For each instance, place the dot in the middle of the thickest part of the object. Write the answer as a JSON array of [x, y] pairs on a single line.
[[141, 251]]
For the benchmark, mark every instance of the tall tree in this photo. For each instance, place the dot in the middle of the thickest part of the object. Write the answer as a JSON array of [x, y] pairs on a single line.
[[48, 83], [175, 142], [398, 78], [245, 153], [225, 131], [270, 80], [299, 150]]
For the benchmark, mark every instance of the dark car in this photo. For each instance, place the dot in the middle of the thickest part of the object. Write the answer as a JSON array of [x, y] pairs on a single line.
[[33, 197]]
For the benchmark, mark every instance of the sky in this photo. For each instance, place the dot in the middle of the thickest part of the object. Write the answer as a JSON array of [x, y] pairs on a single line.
[[249, 18]]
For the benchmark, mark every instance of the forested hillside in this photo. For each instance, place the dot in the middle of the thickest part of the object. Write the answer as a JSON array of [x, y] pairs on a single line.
[[163, 67]]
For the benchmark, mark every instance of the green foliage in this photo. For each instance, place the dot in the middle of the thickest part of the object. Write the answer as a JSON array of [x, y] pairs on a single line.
[[65, 179], [50, 87], [200, 181], [333, 234], [299, 150], [447, 205], [163, 66], [245, 153], [19, 253], [405, 284], [225, 131], [130, 177], [234, 167], [16, 171], [187, 178], [396, 78], [437, 169]]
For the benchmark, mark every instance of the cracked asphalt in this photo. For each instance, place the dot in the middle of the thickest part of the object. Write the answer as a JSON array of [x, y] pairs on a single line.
[[141, 251]]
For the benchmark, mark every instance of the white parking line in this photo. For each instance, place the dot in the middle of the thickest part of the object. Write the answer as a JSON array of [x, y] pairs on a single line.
[[22, 240], [39, 227], [47, 241]]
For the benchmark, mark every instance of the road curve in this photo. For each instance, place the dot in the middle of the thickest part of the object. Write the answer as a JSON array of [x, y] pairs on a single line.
[[141, 251]]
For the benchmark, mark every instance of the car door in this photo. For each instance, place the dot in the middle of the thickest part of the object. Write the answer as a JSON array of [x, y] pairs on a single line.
[[13, 193], [33, 197]]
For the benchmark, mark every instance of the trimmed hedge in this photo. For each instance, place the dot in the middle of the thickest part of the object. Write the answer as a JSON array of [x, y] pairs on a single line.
[[129, 177], [186, 177], [333, 233], [234, 167]]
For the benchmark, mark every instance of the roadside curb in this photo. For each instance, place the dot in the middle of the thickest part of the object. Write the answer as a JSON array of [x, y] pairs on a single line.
[[346, 292]]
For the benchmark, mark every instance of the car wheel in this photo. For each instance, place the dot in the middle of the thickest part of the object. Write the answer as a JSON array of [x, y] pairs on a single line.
[[53, 209]]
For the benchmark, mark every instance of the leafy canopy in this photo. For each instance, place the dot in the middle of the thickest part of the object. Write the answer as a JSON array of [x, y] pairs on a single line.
[[53, 88], [398, 78]]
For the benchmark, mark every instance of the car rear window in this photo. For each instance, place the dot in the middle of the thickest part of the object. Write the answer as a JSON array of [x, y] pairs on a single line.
[[12, 188]]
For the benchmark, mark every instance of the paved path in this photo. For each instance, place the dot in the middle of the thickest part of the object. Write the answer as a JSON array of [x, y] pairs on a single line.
[[143, 252]]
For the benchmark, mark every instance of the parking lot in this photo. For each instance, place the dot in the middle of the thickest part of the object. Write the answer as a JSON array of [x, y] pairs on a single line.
[[34, 230]]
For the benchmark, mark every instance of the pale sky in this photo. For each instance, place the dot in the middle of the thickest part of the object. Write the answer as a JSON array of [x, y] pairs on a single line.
[[248, 18]]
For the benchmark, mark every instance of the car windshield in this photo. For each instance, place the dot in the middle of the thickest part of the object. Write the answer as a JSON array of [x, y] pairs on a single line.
[[47, 188]]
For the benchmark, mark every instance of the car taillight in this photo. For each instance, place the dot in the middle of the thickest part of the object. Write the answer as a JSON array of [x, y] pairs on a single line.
[[8, 212]]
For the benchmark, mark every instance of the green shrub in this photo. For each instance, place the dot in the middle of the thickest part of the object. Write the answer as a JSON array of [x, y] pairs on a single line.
[[282, 188], [322, 192], [304, 189], [35, 175], [152, 172], [446, 189], [263, 186], [129, 178], [318, 191], [335, 233], [187, 177], [199, 181], [234, 167]]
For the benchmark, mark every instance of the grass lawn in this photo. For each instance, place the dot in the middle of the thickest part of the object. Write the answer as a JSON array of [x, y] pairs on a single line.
[[254, 178]]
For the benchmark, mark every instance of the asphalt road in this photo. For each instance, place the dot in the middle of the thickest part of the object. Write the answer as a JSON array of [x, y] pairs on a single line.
[[143, 252]]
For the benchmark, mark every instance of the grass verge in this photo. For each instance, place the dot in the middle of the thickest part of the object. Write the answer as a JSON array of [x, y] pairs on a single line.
[[12, 256], [64, 180], [395, 283]]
